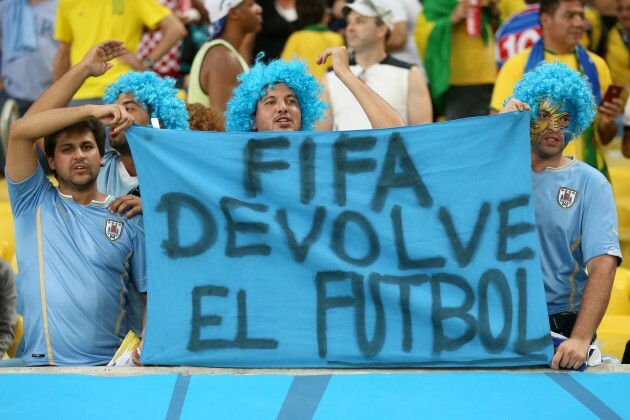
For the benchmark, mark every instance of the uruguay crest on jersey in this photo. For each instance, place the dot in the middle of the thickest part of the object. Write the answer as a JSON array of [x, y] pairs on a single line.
[[566, 197], [113, 229]]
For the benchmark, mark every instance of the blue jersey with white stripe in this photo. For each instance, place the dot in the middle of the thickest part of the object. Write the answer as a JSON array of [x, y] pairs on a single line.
[[577, 221], [75, 264]]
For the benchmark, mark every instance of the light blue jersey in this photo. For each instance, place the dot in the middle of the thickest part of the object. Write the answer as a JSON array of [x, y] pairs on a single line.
[[577, 221], [113, 178], [75, 265]]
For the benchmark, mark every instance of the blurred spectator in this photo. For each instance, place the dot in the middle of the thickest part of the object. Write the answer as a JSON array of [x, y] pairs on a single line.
[[8, 301], [400, 84], [518, 32], [202, 118], [170, 63], [218, 62], [337, 22], [28, 51], [401, 43], [562, 24], [594, 30], [192, 42], [82, 24], [618, 46], [309, 42], [460, 65], [608, 11], [279, 21], [522, 30]]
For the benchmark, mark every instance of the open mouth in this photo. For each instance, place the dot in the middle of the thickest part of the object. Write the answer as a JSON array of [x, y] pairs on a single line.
[[283, 121], [552, 140]]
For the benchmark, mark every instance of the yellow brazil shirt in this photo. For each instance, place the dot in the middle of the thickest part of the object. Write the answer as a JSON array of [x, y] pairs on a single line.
[[84, 24]]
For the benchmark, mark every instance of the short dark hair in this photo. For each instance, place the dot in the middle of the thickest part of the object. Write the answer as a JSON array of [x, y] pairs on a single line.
[[92, 124], [310, 12], [550, 6]]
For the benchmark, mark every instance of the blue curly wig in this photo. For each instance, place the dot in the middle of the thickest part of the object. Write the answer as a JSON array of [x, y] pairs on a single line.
[[241, 109], [558, 83], [156, 92]]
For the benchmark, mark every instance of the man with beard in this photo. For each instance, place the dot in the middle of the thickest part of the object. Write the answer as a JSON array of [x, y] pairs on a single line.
[[402, 85], [76, 259]]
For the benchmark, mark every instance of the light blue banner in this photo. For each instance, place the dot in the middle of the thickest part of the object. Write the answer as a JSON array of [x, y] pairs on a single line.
[[406, 247]]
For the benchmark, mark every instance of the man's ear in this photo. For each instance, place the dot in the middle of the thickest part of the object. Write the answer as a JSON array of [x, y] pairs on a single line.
[[382, 30], [545, 19], [51, 163], [233, 13]]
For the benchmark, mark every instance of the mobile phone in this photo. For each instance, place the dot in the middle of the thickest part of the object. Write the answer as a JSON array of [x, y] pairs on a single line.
[[614, 91]]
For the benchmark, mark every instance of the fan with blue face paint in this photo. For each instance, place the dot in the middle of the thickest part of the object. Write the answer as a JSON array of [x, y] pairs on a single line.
[[560, 98], [576, 221]]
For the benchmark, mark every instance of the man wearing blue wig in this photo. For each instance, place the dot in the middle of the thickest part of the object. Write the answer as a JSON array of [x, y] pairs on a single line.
[[575, 209], [145, 96], [283, 96]]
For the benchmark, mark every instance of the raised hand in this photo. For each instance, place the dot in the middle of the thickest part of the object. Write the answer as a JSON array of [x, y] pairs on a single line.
[[98, 59], [514, 105], [340, 60]]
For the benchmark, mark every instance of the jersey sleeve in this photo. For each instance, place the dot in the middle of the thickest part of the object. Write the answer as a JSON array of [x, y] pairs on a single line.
[[600, 234], [26, 196]]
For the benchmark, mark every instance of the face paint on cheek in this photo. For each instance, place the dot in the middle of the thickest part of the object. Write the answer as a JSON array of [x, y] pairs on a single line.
[[564, 121], [568, 135], [536, 128]]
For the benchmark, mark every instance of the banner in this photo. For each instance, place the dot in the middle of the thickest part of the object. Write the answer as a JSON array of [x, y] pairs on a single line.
[[413, 246]]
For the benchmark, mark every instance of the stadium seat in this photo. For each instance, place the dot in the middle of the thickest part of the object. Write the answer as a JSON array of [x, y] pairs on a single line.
[[614, 333], [4, 191], [614, 330], [7, 235], [620, 295], [620, 176]]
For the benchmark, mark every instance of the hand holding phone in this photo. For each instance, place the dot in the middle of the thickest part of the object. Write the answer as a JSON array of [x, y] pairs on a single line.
[[614, 91]]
